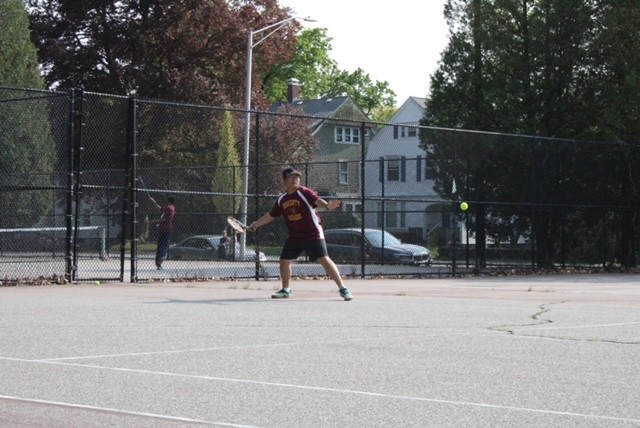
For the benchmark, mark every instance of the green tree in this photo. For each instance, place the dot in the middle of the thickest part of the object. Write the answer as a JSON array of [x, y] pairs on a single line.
[[26, 141], [228, 175], [320, 76], [614, 92], [18, 57], [310, 63], [383, 114], [367, 94], [522, 68]]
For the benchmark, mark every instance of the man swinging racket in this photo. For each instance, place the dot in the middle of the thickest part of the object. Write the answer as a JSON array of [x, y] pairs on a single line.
[[165, 228], [298, 207]]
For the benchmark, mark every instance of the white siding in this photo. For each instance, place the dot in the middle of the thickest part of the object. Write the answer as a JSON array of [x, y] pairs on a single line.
[[384, 145]]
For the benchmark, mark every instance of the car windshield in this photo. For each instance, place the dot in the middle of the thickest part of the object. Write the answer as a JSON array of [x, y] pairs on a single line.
[[375, 238]]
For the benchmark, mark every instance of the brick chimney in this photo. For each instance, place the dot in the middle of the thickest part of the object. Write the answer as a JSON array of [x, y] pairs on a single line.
[[293, 90]]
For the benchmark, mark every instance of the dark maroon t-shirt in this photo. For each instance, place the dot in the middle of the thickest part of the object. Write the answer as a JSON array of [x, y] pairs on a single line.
[[169, 215], [300, 214]]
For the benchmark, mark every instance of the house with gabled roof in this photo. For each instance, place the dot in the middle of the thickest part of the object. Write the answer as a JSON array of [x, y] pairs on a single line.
[[341, 127], [399, 191]]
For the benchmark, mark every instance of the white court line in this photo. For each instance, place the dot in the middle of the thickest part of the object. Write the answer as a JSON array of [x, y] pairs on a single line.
[[121, 412], [342, 391], [218, 348], [573, 327], [213, 348]]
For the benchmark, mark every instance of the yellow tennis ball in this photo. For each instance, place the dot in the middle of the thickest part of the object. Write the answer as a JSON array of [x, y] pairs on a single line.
[[464, 206], [97, 282]]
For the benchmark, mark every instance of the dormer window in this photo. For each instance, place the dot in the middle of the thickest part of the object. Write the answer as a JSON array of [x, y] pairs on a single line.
[[400, 131], [344, 135]]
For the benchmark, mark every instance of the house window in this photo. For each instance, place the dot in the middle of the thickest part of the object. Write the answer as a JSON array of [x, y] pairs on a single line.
[[352, 208], [429, 167], [395, 215], [393, 169], [400, 131], [343, 172], [345, 135], [391, 214]]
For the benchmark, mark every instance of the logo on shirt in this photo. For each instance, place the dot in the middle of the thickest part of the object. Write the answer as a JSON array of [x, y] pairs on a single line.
[[292, 203], [293, 214]]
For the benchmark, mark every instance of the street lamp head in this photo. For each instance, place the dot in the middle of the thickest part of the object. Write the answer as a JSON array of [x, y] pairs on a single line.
[[275, 27]]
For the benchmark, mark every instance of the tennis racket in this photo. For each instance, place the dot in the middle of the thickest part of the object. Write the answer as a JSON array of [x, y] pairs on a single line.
[[144, 186], [237, 225], [145, 235]]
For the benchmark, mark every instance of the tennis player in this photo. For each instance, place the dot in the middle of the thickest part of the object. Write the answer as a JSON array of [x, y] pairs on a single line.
[[298, 205], [165, 228]]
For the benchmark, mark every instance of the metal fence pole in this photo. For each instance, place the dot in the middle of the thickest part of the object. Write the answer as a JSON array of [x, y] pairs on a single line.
[[126, 191], [132, 187], [257, 192], [454, 222], [78, 149], [363, 155], [69, 209], [532, 186]]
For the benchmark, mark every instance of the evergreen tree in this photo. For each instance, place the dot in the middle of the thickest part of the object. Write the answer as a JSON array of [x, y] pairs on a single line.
[[539, 68], [26, 141], [18, 56], [228, 176], [614, 93]]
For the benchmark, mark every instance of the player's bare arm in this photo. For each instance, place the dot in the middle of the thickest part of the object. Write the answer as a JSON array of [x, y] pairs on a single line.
[[328, 205], [265, 219]]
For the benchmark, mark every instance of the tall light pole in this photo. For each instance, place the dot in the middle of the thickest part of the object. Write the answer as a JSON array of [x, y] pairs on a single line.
[[247, 122]]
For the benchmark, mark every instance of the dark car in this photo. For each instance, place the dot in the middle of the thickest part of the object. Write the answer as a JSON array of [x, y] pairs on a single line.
[[208, 247], [344, 245]]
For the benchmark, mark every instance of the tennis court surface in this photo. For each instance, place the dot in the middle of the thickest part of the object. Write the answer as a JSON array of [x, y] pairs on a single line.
[[530, 351]]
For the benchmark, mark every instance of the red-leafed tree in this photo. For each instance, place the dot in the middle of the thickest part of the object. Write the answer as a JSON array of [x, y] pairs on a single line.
[[190, 50]]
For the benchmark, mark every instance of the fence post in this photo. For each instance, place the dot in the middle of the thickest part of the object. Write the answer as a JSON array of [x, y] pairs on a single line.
[[132, 187], [256, 193], [532, 186], [69, 269], [454, 222], [126, 191], [466, 214], [78, 118], [383, 209], [363, 154]]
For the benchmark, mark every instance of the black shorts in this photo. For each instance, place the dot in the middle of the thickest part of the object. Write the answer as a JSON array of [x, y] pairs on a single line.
[[314, 249]]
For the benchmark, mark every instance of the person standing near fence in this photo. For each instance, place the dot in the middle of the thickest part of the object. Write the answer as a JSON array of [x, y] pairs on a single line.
[[165, 228], [298, 205]]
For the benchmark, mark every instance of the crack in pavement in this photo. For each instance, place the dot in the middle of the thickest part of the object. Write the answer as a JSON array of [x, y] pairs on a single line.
[[539, 320]]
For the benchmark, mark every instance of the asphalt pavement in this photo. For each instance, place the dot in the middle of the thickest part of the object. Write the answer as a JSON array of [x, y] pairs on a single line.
[[527, 351]]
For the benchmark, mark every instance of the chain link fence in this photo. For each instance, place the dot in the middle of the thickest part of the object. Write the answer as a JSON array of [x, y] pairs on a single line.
[[79, 171]]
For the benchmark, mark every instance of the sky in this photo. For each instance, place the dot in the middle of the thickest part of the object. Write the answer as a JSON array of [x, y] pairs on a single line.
[[399, 41]]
